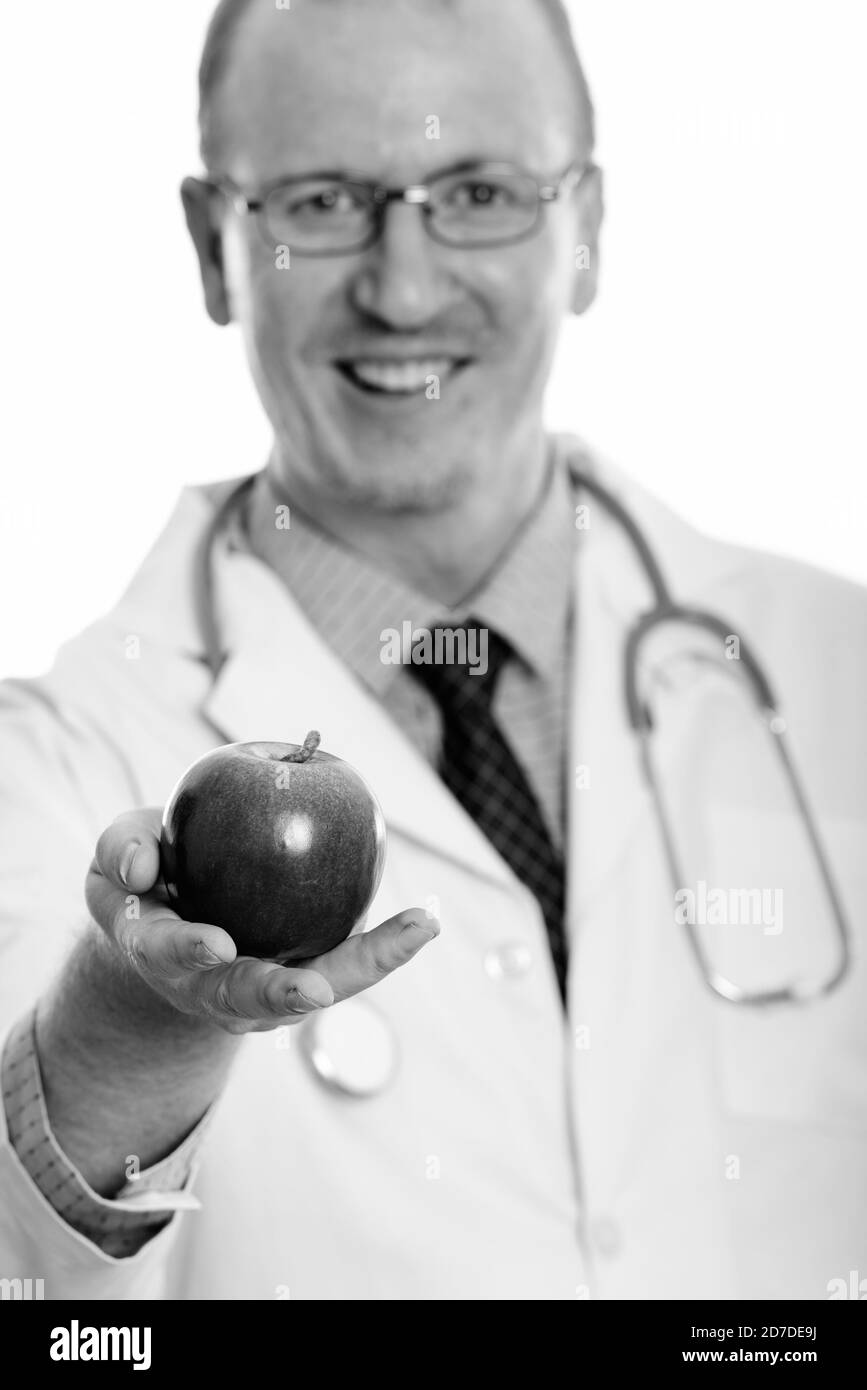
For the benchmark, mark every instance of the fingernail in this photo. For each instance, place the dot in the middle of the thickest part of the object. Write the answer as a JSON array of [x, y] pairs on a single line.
[[296, 1000], [429, 930], [127, 861], [206, 956]]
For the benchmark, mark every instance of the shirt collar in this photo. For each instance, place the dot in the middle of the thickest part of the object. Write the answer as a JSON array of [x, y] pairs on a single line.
[[351, 601], [528, 596]]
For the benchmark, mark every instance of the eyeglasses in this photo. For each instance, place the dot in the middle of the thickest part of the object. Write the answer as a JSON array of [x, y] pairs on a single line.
[[334, 214]]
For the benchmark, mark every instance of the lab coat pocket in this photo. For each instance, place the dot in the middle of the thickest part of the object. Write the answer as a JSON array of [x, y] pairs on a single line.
[[797, 1064]]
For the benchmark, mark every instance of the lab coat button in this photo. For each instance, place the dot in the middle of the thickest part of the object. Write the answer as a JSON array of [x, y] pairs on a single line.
[[508, 962], [606, 1236]]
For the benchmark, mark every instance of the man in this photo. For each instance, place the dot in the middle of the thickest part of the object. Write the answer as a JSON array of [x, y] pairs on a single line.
[[549, 1102]]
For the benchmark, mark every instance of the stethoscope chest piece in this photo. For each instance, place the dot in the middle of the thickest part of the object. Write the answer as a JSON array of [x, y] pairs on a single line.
[[351, 1048]]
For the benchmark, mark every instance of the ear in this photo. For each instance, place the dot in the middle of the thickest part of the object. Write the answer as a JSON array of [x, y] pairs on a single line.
[[586, 274], [198, 200]]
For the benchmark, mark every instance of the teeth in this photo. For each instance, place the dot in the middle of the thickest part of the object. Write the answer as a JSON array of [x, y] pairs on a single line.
[[401, 376]]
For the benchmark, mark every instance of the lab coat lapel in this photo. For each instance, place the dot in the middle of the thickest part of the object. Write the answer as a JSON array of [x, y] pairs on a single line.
[[607, 795], [609, 811], [629, 973], [280, 679], [609, 800]]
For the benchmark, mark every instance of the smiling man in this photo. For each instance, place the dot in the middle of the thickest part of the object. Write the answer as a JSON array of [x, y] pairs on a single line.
[[398, 208], [464, 291]]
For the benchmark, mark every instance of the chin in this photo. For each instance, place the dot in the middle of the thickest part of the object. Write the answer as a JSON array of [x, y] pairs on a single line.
[[413, 481]]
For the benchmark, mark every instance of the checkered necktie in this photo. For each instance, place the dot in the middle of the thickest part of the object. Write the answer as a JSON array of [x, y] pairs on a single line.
[[480, 769]]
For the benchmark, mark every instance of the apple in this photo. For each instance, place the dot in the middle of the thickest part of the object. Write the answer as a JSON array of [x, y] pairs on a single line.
[[280, 844]]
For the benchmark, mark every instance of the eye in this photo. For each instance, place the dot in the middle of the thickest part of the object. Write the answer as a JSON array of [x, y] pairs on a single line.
[[332, 200], [320, 201], [478, 194]]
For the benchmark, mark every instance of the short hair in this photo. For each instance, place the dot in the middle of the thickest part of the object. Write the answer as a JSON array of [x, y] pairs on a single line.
[[228, 14]]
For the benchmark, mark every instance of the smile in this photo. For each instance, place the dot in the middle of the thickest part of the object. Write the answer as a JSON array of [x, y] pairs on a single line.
[[404, 377]]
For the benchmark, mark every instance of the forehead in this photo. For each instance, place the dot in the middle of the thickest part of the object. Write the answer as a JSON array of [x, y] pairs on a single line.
[[353, 83]]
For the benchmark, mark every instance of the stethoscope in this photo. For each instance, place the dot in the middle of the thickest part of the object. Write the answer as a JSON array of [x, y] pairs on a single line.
[[353, 1050]]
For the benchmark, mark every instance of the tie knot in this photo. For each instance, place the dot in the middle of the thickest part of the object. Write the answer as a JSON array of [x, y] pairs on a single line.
[[460, 665]]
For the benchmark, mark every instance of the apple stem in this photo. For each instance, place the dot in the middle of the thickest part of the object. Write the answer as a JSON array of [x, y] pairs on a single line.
[[306, 751]]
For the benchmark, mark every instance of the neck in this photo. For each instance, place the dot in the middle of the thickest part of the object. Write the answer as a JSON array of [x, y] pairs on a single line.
[[446, 555]]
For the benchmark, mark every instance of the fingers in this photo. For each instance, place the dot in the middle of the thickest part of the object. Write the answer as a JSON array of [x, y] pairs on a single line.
[[164, 948], [194, 966], [362, 961], [128, 852], [258, 994]]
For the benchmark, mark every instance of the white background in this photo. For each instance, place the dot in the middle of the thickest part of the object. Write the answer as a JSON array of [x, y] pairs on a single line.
[[724, 363]]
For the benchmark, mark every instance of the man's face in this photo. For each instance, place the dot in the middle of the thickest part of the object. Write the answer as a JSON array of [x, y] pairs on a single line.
[[333, 85]]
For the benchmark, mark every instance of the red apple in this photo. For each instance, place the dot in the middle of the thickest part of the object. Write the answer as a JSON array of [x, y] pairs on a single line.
[[280, 844]]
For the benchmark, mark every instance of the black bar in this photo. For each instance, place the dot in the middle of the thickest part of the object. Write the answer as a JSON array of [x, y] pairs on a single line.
[[647, 1337]]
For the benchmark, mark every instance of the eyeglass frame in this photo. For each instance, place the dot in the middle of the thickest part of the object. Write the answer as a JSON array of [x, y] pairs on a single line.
[[414, 194]]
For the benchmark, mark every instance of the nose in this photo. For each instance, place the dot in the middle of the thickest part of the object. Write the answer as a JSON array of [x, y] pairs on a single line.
[[402, 281]]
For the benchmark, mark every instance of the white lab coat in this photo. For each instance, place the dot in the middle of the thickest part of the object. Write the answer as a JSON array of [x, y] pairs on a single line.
[[658, 1145]]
